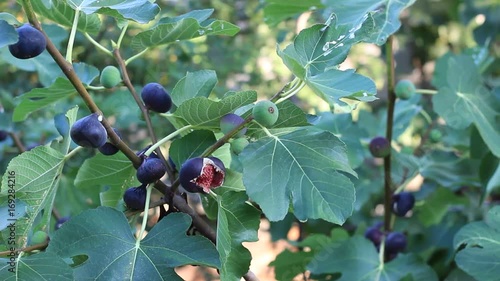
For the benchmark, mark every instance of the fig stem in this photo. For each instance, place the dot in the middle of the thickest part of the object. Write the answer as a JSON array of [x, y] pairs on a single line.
[[391, 99], [97, 45], [73, 152], [144, 216], [426, 91], [122, 34], [132, 58], [95, 88], [291, 92], [71, 41], [167, 138], [268, 133]]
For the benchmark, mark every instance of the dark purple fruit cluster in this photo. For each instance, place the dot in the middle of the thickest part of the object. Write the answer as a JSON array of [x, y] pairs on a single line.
[[402, 203], [151, 170], [202, 174], [156, 98], [89, 132], [31, 42], [135, 197], [380, 147], [395, 242]]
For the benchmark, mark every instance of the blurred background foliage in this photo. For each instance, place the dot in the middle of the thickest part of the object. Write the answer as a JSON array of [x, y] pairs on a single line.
[[430, 29]]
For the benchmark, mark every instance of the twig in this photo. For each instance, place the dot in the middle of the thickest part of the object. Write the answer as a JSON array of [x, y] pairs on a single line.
[[17, 142], [32, 248], [388, 134]]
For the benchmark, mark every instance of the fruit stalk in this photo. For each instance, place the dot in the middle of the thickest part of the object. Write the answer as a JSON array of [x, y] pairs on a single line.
[[71, 41], [391, 98]]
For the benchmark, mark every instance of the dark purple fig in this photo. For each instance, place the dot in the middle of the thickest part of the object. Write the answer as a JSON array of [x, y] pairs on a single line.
[[202, 174], [151, 170], [395, 242], [109, 148], [380, 147], [89, 132], [230, 121], [3, 135], [402, 203], [156, 98], [60, 222], [135, 197], [31, 42]]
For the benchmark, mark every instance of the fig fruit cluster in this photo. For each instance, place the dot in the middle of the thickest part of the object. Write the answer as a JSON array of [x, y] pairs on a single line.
[[202, 174], [31, 42], [395, 242]]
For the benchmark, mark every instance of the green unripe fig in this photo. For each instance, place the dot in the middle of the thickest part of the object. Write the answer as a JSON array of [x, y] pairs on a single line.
[[110, 77], [237, 145], [39, 237], [405, 89], [435, 135], [265, 112]]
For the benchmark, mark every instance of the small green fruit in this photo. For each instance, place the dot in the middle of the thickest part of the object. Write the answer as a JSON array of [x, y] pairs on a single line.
[[110, 77], [39, 237], [435, 135], [265, 112], [405, 89], [237, 145]]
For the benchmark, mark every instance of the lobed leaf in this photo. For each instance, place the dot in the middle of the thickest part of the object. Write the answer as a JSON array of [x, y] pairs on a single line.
[[103, 237], [302, 168]]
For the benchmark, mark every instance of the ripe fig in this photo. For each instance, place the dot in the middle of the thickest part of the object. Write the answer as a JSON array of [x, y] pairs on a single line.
[[395, 242], [109, 148], [237, 145], [265, 112], [230, 121], [402, 203], [202, 174], [405, 89], [135, 197], [89, 132], [374, 234], [110, 77], [31, 42], [156, 98], [60, 222], [151, 170], [3, 135], [380, 147], [39, 237]]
